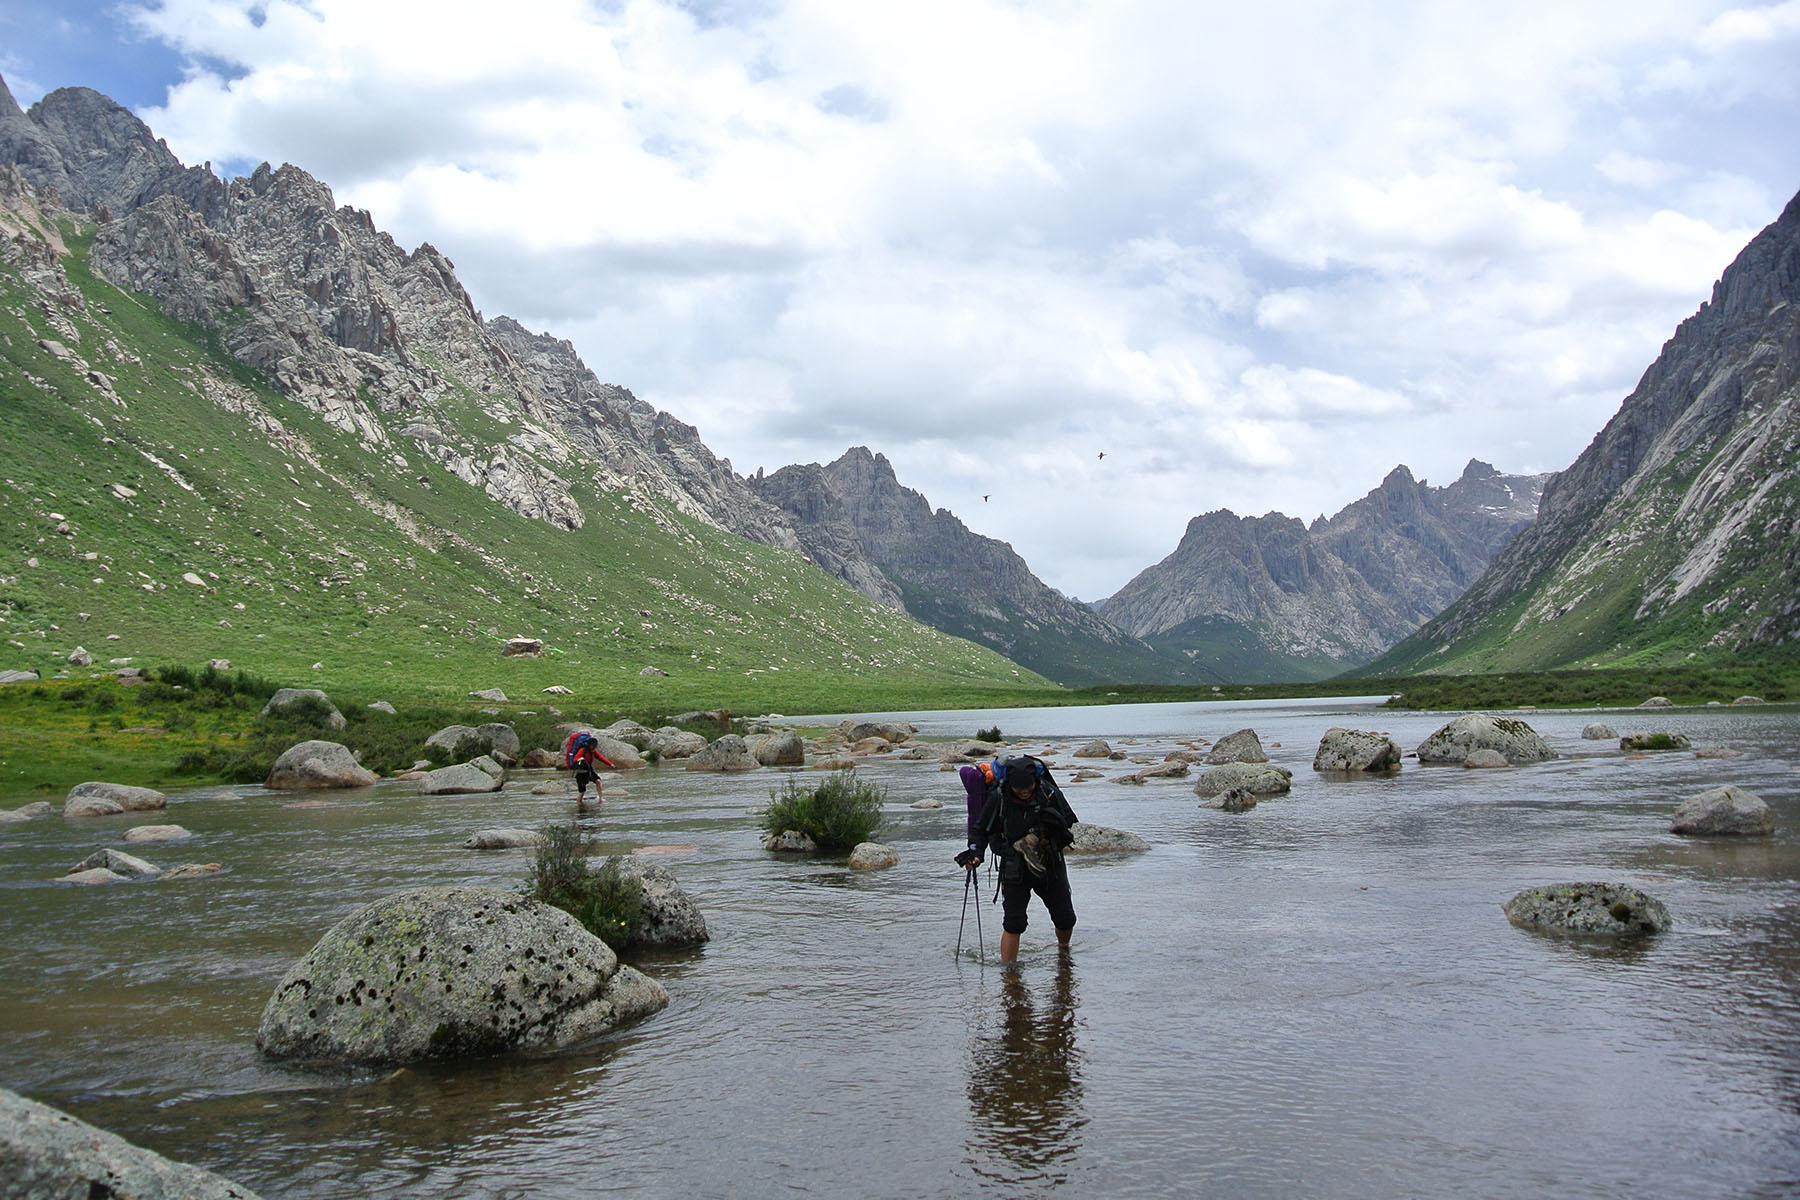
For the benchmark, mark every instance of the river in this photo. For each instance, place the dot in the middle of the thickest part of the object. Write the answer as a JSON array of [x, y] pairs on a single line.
[[1319, 997]]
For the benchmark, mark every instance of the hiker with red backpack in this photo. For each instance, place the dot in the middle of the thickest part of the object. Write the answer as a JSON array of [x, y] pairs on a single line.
[[582, 754]]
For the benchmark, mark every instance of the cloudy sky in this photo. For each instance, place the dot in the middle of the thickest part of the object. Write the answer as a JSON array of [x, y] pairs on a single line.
[[1256, 254]]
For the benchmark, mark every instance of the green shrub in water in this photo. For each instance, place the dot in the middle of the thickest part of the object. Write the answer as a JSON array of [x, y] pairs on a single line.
[[607, 902], [837, 813], [989, 735]]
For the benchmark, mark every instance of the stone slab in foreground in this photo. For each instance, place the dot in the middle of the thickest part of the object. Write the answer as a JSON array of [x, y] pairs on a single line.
[[45, 1152]]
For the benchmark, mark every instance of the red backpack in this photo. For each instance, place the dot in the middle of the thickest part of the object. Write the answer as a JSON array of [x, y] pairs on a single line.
[[577, 740]]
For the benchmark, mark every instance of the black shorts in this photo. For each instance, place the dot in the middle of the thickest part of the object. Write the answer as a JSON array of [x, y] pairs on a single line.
[[1052, 889]]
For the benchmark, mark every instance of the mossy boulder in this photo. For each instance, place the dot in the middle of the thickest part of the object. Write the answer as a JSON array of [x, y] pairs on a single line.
[[1654, 741], [1607, 909], [1509, 736], [450, 973]]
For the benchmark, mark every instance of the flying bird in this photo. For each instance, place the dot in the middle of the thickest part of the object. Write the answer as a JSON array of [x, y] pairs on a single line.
[[984, 498], [1103, 454]]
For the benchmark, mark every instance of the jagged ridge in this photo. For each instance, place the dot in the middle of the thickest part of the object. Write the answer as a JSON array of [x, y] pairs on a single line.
[[1676, 533]]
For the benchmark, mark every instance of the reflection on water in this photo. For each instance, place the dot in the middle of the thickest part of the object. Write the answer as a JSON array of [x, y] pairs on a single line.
[[1320, 997], [1025, 1082]]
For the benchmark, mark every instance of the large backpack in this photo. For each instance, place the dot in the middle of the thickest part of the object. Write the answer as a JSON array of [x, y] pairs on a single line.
[[577, 740], [1049, 806]]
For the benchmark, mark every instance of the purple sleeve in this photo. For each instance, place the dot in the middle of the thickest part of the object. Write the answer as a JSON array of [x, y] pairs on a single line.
[[976, 787]]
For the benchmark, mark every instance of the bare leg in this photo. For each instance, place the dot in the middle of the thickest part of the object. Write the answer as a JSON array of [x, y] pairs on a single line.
[[1009, 947], [1062, 938]]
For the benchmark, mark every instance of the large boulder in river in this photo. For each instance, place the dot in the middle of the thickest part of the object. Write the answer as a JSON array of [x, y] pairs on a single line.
[[99, 799], [44, 1152], [783, 749], [729, 753], [670, 742], [286, 698], [448, 973], [1242, 746], [1727, 811], [316, 764], [501, 739], [1513, 738], [1261, 779], [888, 731], [670, 917], [1587, 908], [1356, 750]]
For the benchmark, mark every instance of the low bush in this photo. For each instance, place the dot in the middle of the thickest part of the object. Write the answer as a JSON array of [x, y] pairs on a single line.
[[991, 734], [607, 902], [837, 813]]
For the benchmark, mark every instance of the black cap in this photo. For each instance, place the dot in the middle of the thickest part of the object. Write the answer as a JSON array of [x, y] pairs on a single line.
[[1020, 770]]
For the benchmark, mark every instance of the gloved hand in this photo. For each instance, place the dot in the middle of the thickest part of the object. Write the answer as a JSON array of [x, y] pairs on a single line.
[[969, 859]]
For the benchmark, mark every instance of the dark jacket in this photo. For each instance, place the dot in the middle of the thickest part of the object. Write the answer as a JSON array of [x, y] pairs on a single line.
[[1004, 820]]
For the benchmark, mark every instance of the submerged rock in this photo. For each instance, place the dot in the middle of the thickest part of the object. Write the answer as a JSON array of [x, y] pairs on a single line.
[[448, 973], [1598, 731], [97, 799], [458, 779], [1589, 908], [1654, 741], [503, 839], [118, 862], [1262, 779], [156, 833], [46, 1152], [1100, 839]]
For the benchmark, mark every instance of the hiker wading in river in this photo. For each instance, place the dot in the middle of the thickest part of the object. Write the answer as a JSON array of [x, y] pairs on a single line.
[[1017, 813]]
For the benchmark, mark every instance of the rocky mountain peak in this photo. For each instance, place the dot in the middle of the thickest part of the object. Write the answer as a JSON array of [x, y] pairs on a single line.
[[1680, 514], [1321, 598]]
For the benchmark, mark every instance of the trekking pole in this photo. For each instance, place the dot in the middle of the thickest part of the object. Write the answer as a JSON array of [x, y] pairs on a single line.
[[967, 876], [979, 940]]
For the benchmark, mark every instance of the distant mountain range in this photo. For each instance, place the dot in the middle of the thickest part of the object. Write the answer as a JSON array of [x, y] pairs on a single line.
[[311, 300]]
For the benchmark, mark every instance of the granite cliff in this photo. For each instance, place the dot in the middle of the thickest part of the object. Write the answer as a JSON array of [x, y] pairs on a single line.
[[1676, 534]]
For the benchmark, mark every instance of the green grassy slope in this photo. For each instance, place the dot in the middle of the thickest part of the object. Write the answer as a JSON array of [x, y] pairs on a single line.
[[1589, 610], [353, 574]]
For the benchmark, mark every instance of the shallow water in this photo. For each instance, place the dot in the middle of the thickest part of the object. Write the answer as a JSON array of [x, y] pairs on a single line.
[[1319, 997]]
